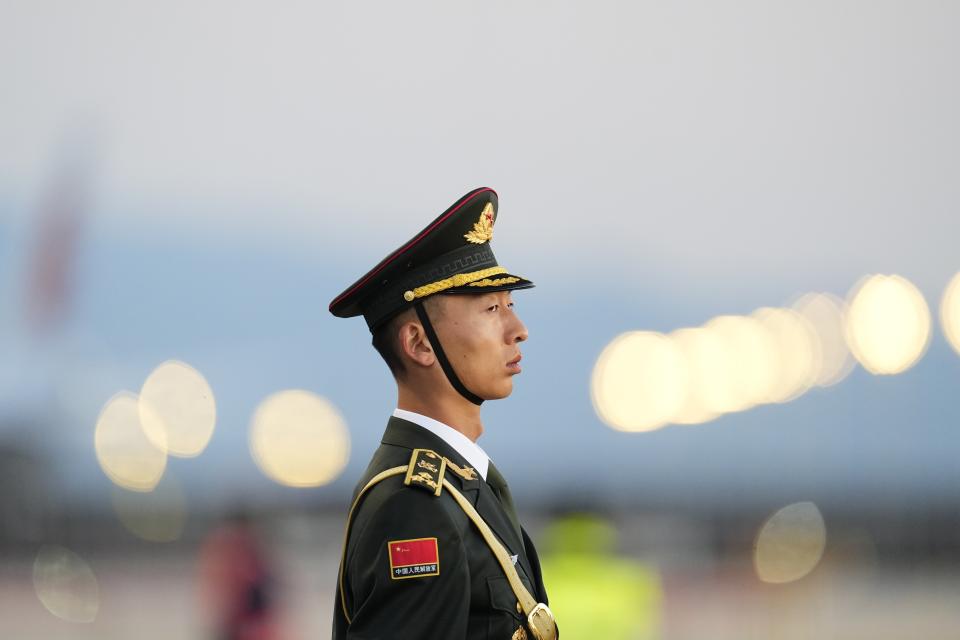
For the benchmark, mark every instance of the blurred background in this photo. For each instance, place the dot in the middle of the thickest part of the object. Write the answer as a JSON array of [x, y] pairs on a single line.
[[738, 412]]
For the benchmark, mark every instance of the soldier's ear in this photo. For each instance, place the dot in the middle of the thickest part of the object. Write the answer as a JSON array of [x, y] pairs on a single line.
[[414, 344]]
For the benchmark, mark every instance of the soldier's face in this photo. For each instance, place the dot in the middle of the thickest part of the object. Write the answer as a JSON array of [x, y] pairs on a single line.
[[481, 335]]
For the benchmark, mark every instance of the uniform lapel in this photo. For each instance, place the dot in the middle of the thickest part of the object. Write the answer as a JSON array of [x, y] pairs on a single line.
[[493, 513], [500, 489]]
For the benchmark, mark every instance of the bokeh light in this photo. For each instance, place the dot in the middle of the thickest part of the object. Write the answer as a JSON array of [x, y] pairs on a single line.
[[638, 381], [643, 380], [790, 543], [797, 352], [177, 409], [748, 373], [65, 584], [950, 312], [702, 355], [154, 516], [887, 324], [124, 451], [299, 439], [825, 313]]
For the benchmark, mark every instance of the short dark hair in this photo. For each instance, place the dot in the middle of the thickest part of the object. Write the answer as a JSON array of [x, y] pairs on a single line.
[[386, 343]]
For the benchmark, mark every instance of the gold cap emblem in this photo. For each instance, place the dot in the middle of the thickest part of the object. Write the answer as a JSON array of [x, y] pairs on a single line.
[[483, 228]]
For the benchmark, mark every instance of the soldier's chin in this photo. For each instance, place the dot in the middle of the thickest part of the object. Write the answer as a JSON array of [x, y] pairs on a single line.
[[501, 392]]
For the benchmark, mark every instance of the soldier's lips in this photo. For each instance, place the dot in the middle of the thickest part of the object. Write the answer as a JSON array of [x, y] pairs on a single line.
[[514, 365]]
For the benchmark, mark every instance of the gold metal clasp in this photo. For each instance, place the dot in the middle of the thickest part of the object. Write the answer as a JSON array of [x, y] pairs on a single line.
[[542, 624]]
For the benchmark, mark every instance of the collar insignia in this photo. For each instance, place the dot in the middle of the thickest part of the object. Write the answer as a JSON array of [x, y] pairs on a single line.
[[483, 228], [467, 473]]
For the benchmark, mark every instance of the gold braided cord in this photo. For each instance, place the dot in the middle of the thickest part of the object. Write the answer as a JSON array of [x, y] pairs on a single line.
[[527, 603], [539, 618], [457, 280], [487, 282]]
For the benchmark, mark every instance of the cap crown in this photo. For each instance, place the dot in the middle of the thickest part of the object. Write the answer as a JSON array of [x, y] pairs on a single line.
[[452, 254]]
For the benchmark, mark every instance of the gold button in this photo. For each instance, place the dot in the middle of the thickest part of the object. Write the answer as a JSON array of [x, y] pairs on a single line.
[[519, 608], [408, 296]]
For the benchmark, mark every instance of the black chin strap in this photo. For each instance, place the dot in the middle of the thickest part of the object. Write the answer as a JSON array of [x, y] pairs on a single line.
[[442, 357]]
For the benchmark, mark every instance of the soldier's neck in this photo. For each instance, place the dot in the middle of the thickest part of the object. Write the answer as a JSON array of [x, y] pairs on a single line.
[[452, 410]]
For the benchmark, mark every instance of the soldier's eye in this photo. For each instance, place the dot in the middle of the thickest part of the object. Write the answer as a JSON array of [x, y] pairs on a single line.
[[493, 308]]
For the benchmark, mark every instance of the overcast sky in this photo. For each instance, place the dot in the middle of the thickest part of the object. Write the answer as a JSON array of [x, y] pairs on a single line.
[[658, 163], [743, 139]]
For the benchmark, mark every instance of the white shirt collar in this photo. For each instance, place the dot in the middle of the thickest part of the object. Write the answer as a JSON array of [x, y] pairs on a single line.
[[463, 445]]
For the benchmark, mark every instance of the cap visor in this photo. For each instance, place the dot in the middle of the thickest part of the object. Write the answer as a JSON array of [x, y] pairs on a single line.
[[500, 282]]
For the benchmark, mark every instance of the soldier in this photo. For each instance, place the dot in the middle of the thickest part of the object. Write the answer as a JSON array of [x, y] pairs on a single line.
[[433, 546]]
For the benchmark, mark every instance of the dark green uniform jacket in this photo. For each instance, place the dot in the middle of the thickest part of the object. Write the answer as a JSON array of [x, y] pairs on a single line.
[[466, 595]]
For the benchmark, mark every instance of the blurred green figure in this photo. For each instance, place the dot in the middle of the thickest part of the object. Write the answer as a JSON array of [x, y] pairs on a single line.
[[593, 592]]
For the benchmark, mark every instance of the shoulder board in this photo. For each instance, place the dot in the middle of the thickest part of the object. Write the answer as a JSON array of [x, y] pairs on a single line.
[[426, 470]]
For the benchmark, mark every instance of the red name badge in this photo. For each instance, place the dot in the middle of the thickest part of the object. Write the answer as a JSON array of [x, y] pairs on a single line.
[[415, 558]]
